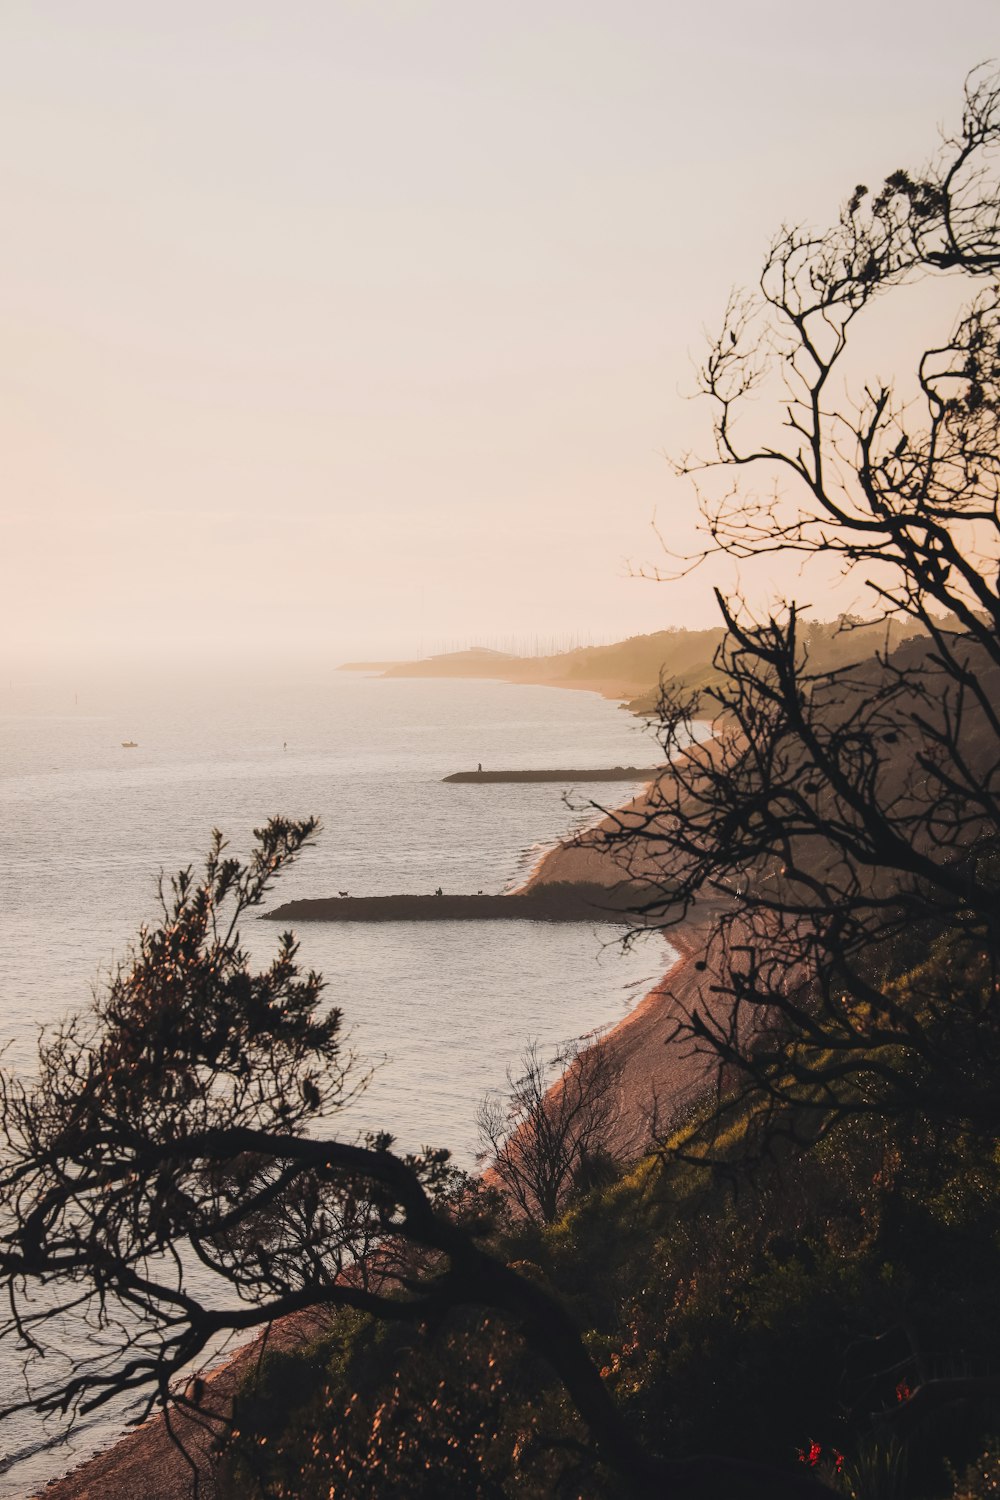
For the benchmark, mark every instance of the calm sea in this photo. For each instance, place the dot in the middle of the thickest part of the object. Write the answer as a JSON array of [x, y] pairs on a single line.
[[441, 1010]]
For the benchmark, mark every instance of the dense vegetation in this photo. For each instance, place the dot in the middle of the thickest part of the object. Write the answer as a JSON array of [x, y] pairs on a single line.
[[786, 1309]]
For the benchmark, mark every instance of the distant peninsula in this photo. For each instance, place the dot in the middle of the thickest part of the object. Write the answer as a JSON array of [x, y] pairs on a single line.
[[631, 670], [628, 670]]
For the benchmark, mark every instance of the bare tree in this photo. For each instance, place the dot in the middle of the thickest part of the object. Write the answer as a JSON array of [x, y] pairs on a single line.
[[904, 484], [854, 812], [553, 1128]]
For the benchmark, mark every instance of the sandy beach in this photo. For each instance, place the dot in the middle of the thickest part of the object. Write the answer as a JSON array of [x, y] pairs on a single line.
[[656, 1077], [147, 1464]]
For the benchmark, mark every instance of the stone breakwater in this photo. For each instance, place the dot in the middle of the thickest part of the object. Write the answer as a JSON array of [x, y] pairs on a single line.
[[569, 901], [571, 775]]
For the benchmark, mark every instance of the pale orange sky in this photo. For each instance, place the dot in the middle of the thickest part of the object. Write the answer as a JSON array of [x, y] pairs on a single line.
[[360, 329]]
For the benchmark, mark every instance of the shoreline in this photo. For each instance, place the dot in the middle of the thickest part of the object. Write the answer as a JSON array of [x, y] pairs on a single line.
[[650, 1071], [145, 1460]]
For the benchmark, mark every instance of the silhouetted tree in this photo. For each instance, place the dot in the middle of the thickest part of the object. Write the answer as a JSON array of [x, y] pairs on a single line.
[[543, 1142], [170, 1176], [847, 822]]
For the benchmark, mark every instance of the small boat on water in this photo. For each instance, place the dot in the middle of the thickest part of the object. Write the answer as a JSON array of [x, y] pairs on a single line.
[[130, 744]]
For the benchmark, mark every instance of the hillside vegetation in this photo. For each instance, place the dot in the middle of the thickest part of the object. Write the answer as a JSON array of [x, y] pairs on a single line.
[[637, 665], [784, 1307]]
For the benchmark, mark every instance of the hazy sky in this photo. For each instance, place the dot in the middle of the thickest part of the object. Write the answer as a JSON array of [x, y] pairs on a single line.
[[361, 328]]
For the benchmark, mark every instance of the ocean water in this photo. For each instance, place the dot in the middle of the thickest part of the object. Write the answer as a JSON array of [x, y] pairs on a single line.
[[438, 1010]]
